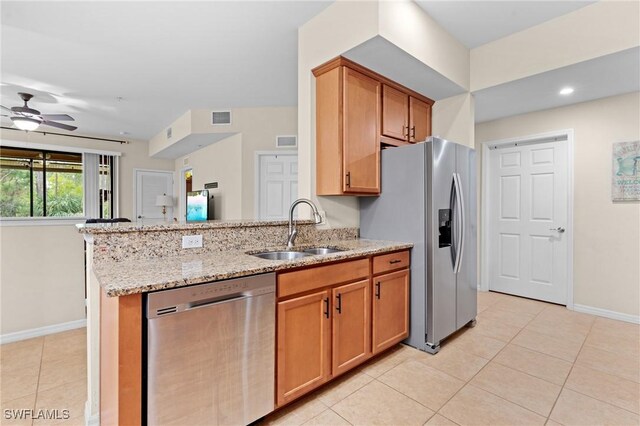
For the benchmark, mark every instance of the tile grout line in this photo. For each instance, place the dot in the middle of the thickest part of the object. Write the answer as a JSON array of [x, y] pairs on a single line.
[[35, 402], [468, 382], [570, 370]]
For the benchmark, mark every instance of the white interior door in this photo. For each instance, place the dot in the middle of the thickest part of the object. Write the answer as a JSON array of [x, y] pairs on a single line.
[[528, 212], [148, 185], [278, 185]]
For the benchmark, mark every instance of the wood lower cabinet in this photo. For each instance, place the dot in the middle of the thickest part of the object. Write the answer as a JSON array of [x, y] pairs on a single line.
[[332, 318], [351, 332], [390, 317], [304, 344]]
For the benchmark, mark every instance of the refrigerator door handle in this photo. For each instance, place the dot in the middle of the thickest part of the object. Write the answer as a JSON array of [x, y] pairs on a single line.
[[461, 223]]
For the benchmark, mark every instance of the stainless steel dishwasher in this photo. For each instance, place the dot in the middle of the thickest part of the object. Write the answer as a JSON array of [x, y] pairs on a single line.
[[211, 353]]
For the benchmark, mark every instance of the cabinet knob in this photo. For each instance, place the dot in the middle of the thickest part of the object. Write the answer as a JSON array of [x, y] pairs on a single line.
[[413, 132], [326, 307], [348, 179], [378, 290], [339, 304]]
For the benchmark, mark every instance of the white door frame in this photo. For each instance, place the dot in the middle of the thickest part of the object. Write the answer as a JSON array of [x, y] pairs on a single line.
[[256, 176], [182, 193], [135, 187], [484, 237]]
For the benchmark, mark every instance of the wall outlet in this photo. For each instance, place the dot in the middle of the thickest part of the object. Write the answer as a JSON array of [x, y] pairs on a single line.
[[191, 241]]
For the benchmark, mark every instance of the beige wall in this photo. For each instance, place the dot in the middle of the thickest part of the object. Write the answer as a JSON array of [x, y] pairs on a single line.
[[453, 119], [256, 130], [599, 29], [607, 234], [42, 266], [219, 162], [346, 24]]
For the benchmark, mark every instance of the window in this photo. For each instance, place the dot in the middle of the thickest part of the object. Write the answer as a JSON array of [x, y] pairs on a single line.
[[42, 183], [35, 183]]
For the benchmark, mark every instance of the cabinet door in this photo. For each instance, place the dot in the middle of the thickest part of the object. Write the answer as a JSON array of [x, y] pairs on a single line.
[[351, 326], [304, 345], [390, 309], [395, 109], [419, 120], [361, 139]]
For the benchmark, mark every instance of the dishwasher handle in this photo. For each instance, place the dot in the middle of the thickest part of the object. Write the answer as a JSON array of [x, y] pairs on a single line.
[[215, 301]]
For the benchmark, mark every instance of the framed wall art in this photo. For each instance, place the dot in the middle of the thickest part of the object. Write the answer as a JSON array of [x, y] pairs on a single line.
[[625, 183]]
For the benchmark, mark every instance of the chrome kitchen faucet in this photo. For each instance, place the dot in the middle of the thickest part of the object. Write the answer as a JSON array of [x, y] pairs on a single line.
[[293, 232]]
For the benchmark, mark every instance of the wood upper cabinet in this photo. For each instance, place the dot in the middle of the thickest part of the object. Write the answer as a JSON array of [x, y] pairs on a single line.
[[419, 120], [304, 345], [390, 317], [347, 133], [351, 326], [361, 140], [404, 117], [395, 109]]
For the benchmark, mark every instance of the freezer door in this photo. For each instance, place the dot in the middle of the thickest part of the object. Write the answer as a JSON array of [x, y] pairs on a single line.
[[441, 279], [466, 288]]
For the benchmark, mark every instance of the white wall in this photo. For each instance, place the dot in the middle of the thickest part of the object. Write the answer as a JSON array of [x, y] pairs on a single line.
[[42, 267], [607, 234]]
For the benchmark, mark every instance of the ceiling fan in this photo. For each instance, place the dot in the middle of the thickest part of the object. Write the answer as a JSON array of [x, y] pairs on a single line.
[[26, 118]]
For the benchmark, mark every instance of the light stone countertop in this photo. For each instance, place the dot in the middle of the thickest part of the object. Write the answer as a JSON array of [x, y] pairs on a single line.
[[160, 225], [145, 275]]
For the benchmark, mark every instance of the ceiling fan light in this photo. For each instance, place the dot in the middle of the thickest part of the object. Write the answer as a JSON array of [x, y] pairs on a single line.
[[25, 123]]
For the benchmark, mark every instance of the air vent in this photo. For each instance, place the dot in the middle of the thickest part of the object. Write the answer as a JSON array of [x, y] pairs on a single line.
[[169, 131], [212, 185], [286, 141], [219, 118], [164, 311]]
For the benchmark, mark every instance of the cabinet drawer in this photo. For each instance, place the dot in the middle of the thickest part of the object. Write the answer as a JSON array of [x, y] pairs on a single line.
[[390, 262], [321, 276]]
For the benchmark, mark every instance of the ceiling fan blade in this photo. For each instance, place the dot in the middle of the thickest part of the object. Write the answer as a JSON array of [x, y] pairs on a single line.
[[59, 125], [58, 117]]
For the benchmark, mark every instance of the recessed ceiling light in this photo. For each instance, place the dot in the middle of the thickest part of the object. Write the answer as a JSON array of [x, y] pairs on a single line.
[[123, 133], [566, 91]]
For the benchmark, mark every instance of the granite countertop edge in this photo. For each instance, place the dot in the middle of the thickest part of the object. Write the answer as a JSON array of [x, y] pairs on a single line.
[[112, 276], [154, 226]]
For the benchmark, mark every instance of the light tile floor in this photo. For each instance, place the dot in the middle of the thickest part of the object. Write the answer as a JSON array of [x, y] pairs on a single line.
[[525, 362]]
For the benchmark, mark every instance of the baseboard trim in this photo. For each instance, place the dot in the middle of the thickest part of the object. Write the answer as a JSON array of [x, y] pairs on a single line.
[[90, 420], [635, 319], [41, 331]]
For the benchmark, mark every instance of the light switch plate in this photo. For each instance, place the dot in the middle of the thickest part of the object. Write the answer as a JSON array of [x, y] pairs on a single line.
[[191, 241]]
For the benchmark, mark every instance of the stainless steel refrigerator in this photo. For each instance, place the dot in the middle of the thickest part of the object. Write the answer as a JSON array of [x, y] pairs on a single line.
[[428, 198]]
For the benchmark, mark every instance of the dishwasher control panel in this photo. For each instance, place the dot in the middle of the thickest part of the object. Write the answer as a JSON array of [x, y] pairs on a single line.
[[167, 302]]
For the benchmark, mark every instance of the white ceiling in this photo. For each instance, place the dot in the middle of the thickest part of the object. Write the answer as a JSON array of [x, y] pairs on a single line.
[[161, 58], [608, 75], [475, 23]]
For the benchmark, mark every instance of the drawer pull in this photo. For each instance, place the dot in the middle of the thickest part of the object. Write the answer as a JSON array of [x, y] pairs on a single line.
[[395, 261], [326, 307], [339, 305], [378, 290]]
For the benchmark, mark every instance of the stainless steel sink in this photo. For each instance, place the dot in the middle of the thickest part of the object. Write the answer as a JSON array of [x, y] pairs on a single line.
[[282, 255], [322, 250]]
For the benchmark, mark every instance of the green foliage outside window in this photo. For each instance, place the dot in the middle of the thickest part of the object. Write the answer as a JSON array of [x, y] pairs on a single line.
[[40, 183]]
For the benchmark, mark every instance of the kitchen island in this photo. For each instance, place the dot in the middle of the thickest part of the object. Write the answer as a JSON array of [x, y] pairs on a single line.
[[127, 261]]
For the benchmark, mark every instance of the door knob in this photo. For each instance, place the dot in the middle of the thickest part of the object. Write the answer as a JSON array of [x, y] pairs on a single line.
[[559, 229]]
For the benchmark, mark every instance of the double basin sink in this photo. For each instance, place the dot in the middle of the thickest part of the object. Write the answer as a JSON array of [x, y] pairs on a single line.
[[295, 254]]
